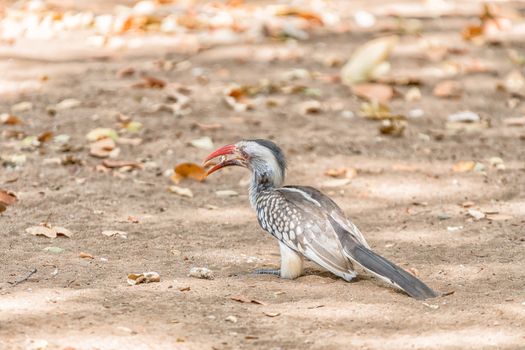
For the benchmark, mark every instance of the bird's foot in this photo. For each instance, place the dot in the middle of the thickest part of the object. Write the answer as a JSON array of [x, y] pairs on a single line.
[[276, 272]]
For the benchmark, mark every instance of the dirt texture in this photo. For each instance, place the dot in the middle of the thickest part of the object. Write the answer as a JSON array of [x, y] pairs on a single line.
[[404, 197]]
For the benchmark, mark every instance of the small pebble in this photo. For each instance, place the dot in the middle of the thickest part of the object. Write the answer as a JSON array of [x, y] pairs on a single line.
[[231, 319], [201, 272]]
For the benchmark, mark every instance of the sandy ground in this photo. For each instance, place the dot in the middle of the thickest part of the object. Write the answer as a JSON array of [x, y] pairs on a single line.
[[405, 198]]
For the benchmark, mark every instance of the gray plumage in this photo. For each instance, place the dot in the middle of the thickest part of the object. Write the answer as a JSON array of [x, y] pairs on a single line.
[[309, 224]]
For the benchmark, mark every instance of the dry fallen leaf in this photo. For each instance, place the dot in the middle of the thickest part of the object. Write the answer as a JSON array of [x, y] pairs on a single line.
[[310, 107], [243, 299], [102, 148], [348, 173], [85, 255], [514, 83], [448, 89], [463, 166], [188, 170], [208, 127], [499, 217], [377, 111], [272, 314], [339, 172], [7, 197], [150, 82], [236, 97], [112, 233], [381, 93], [112, 164], [366, 59], [45, 136], [10, 119], [181, 191], [145, 277], [392, 127], [517, 121], [68, 103], [335, 183], [305, 14], [101, 133], [49, 231], [202, 143]]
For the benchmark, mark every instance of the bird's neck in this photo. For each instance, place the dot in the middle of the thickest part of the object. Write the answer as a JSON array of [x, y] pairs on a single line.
[[262, 181]]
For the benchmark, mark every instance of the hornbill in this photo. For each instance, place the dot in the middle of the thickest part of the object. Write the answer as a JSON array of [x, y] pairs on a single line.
[[307, 223]]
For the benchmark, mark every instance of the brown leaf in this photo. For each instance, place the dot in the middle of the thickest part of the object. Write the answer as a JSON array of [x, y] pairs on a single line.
[[7, 197], [125, 72], [188, 170], [13, 134], [42, 231], [48, 231], [392, 127], [185, 289], [206, 127], [378, 111], [339, 172], [243, 299], [366, 58], [102, 148], [517, 121], [240, 298], [499, 217], [45, 136], [236, 97], [111, 233], [10, 119], [150, 83], [133, 219], [112, 164], [310, 107], [145, 277], [448, 89], [472, 31], [463, 166], [62, 231], [305, 14], [272, 314], [85, 255], [373, 92]]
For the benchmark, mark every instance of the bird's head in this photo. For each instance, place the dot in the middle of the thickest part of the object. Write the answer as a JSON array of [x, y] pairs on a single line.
[[263, 157]]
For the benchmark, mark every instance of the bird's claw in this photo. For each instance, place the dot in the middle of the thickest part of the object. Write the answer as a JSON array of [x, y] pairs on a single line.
[[276, 272]]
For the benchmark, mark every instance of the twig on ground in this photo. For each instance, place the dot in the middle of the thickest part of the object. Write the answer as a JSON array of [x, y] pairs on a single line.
[[31, 273]]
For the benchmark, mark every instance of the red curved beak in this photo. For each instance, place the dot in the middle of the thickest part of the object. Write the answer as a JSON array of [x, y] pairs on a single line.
[[223, 152]]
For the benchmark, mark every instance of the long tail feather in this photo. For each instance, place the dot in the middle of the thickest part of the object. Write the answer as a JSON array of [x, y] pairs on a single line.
[[381, 267]]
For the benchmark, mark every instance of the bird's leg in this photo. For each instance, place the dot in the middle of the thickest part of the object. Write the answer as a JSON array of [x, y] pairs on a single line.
[[276, 272], [291, 262]]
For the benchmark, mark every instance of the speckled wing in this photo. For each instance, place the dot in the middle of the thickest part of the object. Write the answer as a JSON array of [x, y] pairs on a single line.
[[313, 235], [333, 210], [327, 240]]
